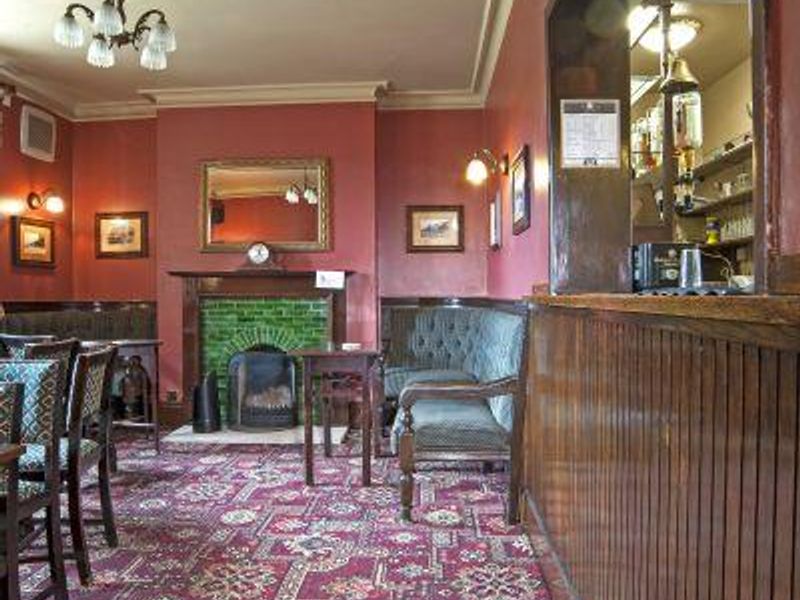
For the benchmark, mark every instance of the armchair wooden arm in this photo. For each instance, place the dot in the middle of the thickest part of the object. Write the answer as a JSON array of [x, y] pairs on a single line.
[[459, 391]]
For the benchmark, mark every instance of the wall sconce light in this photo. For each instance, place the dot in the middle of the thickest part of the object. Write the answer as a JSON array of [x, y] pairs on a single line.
[[484, 163], [12, 207], [51, 202]]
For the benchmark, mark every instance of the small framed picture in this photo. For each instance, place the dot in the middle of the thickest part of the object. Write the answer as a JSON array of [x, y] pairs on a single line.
[[33, 243], [121, 235], [435, 228], [496, 222], [521, 191]]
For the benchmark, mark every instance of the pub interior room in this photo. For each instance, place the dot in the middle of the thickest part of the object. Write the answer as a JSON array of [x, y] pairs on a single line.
[[399, 300]]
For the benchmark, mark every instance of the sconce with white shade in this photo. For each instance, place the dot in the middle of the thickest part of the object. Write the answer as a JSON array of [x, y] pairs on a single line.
[[12, 207], [483, 164], [50, 201]]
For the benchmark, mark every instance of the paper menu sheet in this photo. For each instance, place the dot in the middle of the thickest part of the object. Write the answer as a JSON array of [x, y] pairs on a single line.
[[330, 280], [590, 134]]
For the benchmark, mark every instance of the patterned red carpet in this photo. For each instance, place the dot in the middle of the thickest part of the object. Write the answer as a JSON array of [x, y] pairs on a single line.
[[237, 523]]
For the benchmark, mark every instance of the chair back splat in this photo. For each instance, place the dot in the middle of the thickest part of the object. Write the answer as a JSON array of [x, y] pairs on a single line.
[[63, 351]]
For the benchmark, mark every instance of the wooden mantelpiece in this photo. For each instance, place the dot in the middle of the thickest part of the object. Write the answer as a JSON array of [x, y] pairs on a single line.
[[249, 274], [246, 283]]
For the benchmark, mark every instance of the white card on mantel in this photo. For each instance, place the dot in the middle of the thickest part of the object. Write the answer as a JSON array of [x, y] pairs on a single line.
[[330, 280]]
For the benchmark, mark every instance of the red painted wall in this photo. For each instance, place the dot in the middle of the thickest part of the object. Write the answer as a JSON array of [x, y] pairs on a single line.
[[516, 114], [421, 160], [114, 171], [790, 125], [20, 175], [186, 137]]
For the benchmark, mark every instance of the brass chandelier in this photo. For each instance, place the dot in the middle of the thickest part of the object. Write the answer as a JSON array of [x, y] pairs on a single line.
[[151, 35]]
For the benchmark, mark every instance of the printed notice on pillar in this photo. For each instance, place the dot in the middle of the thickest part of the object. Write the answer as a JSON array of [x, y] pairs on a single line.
[[590, 134]]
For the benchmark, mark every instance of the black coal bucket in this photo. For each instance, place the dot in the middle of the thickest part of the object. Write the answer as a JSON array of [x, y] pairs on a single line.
[[206, 406]]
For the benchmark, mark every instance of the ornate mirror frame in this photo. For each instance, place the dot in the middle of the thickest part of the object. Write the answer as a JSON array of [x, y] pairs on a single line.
[[322, 168]]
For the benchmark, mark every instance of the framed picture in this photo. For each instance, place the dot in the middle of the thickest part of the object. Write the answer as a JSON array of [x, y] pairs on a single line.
[[120, 235], [496, 222], [32, 243], [435, 228], [521, 191]]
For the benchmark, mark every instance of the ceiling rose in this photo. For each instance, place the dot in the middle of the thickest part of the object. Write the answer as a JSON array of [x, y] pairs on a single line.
[[151, 35]]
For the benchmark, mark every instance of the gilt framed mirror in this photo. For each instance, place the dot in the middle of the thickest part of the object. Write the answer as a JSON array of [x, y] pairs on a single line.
[[284, 203]]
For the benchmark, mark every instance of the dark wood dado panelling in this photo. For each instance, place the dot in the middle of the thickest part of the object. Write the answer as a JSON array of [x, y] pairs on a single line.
[[662, 454], [11, 307]]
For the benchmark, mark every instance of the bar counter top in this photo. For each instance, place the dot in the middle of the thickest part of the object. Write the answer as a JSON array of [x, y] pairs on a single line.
[[767, 310]]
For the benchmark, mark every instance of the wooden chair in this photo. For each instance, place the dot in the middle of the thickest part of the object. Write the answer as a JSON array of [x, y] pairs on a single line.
[[13, 346], [37, 381], [11, 396], [88, 411]]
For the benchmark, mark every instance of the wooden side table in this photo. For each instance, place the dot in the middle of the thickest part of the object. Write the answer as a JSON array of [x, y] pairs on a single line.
[[330, 364]]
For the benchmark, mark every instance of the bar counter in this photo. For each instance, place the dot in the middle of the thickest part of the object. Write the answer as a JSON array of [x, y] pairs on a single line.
[[769, 310], [661, 444]]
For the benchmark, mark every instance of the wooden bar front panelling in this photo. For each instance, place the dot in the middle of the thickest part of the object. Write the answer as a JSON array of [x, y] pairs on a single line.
[[662, 452]]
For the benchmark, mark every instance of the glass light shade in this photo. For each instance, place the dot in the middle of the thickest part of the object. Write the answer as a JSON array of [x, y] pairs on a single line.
[[68, 32], [681, 33], [477, 171], [310, 195], [12, 206], [153, 59], [688, 121], [100, 54], [107, 19], [162, 37], [54, 204], [640, 19], [293, 195]]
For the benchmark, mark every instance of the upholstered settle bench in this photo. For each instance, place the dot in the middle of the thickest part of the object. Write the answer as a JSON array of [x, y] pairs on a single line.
[[131, 322], [458, 373]]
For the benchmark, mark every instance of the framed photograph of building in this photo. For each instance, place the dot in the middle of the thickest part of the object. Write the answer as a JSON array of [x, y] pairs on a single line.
[[121, 235], [521, 191], [496, 222], [33, 243], [435, 228]]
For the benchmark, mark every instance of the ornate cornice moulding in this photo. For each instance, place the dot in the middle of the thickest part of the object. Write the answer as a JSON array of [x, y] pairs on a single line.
[[264, 95], [495, 20]]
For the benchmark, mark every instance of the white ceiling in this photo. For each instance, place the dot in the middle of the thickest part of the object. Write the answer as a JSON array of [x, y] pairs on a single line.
[[420, 48]]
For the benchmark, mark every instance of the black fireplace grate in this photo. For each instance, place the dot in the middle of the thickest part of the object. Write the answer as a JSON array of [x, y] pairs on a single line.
[[261, 390]]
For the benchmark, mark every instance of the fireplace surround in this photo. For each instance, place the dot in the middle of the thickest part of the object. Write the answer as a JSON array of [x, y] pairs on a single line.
[[243, 285]]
